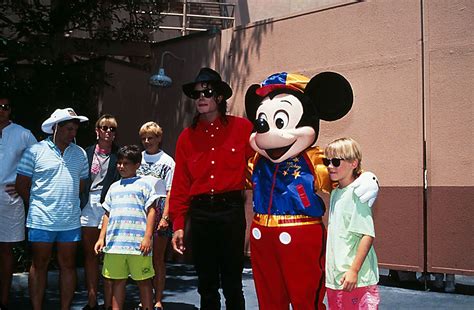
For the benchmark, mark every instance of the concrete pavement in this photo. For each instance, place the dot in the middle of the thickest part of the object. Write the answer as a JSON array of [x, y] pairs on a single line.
[[181, 293]]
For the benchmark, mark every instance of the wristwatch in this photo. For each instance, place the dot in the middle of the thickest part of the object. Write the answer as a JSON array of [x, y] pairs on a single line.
[[166, 218]]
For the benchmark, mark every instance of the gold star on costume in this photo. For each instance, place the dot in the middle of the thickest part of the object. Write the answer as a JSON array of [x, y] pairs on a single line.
[[296, 174], [285, 172], [296, 159]]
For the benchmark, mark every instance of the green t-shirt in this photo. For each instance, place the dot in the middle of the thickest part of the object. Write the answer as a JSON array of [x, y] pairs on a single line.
[[349, 221]]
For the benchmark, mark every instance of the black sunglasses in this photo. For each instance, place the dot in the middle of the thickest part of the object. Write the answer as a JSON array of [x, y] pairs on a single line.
[[208, 93], [5, 107], [107, 128], [336, 162]]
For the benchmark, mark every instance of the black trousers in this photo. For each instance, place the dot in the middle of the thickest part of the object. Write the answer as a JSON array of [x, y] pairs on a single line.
[[217, 240]]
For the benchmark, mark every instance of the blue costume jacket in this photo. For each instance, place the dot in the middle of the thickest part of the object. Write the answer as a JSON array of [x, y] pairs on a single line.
[[289, 187]]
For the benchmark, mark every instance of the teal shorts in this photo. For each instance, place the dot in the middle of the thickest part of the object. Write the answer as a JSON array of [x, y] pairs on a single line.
[[119, 266]]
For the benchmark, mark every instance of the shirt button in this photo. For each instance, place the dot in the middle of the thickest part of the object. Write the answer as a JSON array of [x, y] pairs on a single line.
[[207, 130], [213, 162], [212, 135], [212, 190], [233, 150], [212, 176], [212, 149], [212, 124]]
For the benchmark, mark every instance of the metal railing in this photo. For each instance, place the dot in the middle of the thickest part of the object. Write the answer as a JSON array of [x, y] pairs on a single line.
[[188, 19]]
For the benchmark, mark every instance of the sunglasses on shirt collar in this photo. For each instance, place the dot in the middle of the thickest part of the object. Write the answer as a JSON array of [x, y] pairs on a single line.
[[336, 162], [208, 93], [5, 107], [107, 128]]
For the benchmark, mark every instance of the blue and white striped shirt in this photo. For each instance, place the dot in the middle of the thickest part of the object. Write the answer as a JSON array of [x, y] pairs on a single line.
[[55, 178], [127, 202]]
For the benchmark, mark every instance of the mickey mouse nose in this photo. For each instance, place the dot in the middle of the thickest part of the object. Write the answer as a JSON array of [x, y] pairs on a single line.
[[261, 125]]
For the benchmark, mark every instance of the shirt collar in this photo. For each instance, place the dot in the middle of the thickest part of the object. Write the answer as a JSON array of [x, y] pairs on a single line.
[[49, 141], [203, 125]]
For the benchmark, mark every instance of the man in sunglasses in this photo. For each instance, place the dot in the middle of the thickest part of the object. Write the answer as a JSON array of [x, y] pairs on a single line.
[[208, 185], [14, 139], [50, 176]]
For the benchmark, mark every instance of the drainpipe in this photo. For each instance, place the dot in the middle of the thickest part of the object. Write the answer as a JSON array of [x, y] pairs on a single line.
[[425, 168]]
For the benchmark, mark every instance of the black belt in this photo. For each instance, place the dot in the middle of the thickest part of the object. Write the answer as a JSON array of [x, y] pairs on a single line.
[[221, 197]]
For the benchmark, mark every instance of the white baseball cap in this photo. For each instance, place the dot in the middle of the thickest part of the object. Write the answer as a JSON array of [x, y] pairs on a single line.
[[58, 116]]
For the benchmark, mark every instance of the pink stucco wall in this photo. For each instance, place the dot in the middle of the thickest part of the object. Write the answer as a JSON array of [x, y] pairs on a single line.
[[411, 66]]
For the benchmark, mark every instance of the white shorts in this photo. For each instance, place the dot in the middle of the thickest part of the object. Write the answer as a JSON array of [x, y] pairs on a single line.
[[92, 213], [12, 218]]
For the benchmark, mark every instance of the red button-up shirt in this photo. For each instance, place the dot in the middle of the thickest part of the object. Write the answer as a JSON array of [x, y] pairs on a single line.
[[210, 159]]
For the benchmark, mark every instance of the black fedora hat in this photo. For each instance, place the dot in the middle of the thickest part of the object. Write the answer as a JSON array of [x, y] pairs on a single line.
[[207, 75]]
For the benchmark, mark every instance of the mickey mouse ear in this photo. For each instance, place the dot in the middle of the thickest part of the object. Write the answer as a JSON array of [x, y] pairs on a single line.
[[332, 94], [252, 101]]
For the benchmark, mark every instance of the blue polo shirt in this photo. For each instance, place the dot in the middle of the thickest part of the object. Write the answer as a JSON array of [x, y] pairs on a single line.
[[54, 193]]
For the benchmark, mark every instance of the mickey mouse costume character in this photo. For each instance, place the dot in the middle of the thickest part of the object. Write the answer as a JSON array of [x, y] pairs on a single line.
[[288, 237]]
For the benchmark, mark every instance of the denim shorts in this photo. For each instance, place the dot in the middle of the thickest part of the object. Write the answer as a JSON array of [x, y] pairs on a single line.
[[41, 235]]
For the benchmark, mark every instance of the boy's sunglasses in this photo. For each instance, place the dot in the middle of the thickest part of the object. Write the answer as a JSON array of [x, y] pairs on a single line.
[[107, 128], [336, 162], [208, 93], [5, 107]]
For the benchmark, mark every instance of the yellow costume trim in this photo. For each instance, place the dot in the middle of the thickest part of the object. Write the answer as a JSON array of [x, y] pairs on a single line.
[[269, 220]]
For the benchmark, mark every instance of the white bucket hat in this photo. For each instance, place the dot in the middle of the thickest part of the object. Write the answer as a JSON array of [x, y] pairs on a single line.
[[58, 116]]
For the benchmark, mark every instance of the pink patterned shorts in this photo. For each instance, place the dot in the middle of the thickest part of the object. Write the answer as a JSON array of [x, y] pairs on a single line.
[[366, 297]]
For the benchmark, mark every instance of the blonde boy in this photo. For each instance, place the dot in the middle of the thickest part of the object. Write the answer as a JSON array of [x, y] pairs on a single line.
[[351, 263]]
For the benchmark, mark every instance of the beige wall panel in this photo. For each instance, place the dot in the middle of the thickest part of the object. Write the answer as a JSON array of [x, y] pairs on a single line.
[[377, 50], [450, 92], [448, 23], [386, 121], [449, 59], [361, 33], [256, 10], [450, 116]]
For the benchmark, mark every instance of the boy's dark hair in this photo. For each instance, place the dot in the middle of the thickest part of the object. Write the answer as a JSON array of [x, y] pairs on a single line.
[[130, 152]]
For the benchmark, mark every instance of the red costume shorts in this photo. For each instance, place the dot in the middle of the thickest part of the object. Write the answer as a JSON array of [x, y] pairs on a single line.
[[288, 260]]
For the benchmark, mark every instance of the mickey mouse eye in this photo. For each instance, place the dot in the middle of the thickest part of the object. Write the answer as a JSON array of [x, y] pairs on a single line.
[[281, 119], [262, 116]]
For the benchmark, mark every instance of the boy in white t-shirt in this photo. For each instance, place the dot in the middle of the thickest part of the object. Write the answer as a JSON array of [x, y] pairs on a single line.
[[127, 229], [351, 263]]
